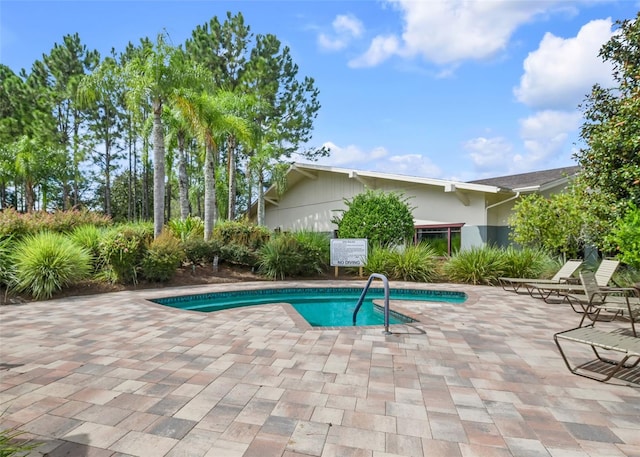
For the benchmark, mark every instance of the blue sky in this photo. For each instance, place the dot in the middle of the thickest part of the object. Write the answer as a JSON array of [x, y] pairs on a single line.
[[446, 89]]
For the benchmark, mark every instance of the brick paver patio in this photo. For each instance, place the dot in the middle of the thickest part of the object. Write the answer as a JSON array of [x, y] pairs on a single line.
[[115, 375]]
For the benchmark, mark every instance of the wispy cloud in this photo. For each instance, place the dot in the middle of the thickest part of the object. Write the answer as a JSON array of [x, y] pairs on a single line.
[[345, 27]]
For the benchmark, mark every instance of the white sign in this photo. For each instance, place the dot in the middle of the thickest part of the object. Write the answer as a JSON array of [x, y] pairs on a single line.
[[349, 252]]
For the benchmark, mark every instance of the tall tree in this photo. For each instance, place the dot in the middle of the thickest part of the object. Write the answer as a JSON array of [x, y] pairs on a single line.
[[156, 77], [611, 131], [102, 93], [65, 65], [212, 120]]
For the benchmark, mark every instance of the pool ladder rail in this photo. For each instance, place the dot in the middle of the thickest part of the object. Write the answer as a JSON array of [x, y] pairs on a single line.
[[385, 283]]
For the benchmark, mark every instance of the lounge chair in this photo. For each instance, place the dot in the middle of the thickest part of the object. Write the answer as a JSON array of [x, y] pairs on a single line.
[[627, 346], [616, 301], [563, 275], [603, 276]]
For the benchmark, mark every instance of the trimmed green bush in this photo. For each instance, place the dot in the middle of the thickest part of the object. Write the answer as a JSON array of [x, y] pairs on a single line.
[[47, 262], [476, 266], [382, 218], [122, 249], [162, 258]]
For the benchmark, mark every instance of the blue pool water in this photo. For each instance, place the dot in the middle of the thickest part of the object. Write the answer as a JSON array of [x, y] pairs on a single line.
[[321, 307]]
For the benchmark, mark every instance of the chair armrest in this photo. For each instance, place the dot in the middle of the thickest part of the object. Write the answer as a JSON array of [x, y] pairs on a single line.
[[570, 280]]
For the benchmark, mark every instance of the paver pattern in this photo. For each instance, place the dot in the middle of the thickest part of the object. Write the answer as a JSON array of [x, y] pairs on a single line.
[[116, 375]]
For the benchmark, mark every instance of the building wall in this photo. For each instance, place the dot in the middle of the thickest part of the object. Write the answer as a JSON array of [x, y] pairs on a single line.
[[312, 203]]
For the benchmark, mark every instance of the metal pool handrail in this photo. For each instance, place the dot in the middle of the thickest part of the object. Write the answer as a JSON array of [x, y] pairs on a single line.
[[385, 283]]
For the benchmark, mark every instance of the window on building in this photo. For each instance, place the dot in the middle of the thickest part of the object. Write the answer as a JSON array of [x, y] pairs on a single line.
[[444, 239]]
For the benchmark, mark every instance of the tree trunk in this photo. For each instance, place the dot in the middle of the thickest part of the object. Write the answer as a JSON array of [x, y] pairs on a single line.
[[209, 192], [231, 176], [260, 198], [29, 195], [183, 179], [158, 170]]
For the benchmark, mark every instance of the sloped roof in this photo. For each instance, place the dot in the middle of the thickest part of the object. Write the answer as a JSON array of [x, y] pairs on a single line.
[[533, 180], [307, 169]]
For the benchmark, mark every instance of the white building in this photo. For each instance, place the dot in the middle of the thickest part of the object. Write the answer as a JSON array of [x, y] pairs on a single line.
[[478, 211]]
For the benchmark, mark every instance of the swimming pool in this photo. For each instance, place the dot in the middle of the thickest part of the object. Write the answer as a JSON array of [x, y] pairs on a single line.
[[320, 307]]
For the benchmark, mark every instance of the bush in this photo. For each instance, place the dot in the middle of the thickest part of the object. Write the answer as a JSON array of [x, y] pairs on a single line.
[[625, 237], [280, 257], [162, 258], [414, 263], [314, 249], [47, 262], [379, 261], [88, 237], [411, 263], [238, 254], [476, 266], [122, 250], [240, 233], [526, 263], [187, 229], [6, 273], [199, 251], [21, 224], [382, 218]]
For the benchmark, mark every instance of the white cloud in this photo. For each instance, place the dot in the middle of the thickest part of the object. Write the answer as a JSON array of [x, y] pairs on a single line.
[[562, 71], [348, 24], [545, 136], [489, 153], [377, 159], [381, 48], [345, 28], [449, 31]]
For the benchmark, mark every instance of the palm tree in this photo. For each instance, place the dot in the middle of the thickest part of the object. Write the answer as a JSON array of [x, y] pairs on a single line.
[[156, 76], [212, 119]]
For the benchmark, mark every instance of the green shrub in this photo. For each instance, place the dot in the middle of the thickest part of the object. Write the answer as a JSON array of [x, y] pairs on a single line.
[[187, 229], [526, 263], [122, 249], [199, 251], [476, 266], [241, 233], [238, 254], [6, 272], [280, 257], [382, 218], [47, 262], [88, 237], [414, 263], [314, 249], [411, 263], [162, 258], [379, 261], [625, 237]]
